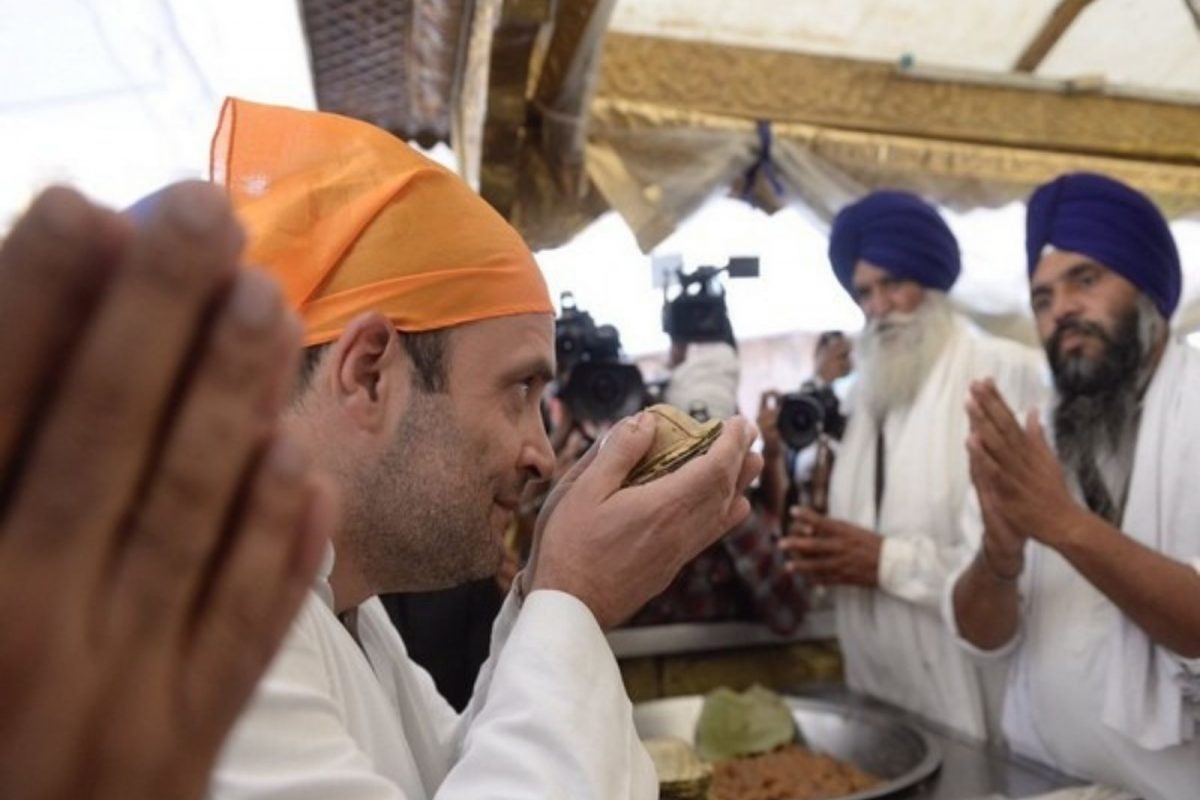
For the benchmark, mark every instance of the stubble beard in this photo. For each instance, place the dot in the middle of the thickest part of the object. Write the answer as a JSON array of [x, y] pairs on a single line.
[[420, 516]]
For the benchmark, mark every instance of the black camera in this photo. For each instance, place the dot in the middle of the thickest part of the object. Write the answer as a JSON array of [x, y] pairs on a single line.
[[595, 385], [805, 415], [698, 313]]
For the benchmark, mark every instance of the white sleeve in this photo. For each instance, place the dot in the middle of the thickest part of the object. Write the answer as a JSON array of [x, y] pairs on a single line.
[[973, 520], [916, 569], [555, 720], [550, 720], [1189, 677]]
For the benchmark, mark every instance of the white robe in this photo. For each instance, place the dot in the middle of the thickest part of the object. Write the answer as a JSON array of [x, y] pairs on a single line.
[[332, 721], [1088, 691], [895, 644]]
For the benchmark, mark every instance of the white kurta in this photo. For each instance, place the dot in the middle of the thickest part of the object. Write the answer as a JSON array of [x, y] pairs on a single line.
[[894, 641], [549, 717], [1088, 691]]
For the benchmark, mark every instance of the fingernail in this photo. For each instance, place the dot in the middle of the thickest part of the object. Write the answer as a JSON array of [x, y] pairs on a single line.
[[636, 420], [287, 459], [255, 301]]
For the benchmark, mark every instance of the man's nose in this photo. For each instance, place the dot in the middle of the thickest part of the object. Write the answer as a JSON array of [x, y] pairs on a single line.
[[878, 305], [538, 456], [1063, 305]]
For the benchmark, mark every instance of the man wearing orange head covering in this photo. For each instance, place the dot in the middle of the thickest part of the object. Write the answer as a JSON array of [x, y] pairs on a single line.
[[430, 338]]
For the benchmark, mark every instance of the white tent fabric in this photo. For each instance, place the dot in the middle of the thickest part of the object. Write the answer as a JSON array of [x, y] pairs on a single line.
[[119, 97]]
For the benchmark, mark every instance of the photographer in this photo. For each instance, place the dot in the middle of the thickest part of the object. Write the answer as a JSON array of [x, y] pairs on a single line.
[[797, 465], [704, 383], [744, 575]]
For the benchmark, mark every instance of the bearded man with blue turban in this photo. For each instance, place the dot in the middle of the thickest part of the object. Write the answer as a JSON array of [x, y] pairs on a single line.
[[1088, 577], [899, 518]]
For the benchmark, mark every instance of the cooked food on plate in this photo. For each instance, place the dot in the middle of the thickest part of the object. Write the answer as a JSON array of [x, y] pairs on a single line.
[[747, 747]]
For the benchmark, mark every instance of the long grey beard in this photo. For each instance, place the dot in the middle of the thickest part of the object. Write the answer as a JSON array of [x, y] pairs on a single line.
[[1099, 401], [898, 352]]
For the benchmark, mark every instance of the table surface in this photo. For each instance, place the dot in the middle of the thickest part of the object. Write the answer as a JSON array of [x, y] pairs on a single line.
[[969, 770], [707, 637]]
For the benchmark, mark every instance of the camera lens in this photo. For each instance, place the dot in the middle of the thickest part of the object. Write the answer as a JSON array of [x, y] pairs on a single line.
[[800, 419], [605, 389]]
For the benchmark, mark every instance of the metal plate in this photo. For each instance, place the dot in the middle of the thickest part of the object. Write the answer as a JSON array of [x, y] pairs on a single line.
[[874, 741]]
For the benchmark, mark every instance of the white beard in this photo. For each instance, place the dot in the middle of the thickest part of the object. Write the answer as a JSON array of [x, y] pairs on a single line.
[[897, 352]]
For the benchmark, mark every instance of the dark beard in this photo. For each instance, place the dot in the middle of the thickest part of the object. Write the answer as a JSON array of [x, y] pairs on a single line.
[[1097, 399], [419, 517]]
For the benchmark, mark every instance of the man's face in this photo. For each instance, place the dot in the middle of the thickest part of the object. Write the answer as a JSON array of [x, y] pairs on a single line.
[[907, 328], [833, 359], [1083, 313], [497, 373], [881, 295], [444, 496]]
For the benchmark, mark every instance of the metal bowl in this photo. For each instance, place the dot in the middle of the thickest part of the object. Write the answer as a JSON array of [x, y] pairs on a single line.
[[874, 741]]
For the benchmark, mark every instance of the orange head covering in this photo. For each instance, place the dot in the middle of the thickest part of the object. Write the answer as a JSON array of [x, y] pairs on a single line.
[[350, 219]]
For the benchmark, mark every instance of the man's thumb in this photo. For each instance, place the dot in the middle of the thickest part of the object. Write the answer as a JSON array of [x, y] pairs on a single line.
[[619, 453]]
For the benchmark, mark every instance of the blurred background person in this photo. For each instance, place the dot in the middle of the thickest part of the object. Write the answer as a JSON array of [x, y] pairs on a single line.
[[744, 575], [799, 455], [896, 524]]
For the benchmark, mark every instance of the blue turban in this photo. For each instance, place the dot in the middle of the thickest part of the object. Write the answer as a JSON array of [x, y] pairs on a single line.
[[898, 232], [1117, 226]]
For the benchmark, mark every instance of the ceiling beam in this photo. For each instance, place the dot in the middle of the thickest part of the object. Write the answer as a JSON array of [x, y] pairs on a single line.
[[1064, 14], [876, 97]]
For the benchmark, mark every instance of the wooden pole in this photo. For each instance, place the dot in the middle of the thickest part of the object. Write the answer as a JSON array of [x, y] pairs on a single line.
[[1064, 14]]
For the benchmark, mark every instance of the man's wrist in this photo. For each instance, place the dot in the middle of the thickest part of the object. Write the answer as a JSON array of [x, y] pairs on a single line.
[[1068, 527], [1002, 567]]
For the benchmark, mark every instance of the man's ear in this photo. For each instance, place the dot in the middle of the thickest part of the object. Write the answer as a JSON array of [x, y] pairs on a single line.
[[370, 370]]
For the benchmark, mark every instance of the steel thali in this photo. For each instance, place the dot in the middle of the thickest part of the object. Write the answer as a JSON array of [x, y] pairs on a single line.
[[895, 751]]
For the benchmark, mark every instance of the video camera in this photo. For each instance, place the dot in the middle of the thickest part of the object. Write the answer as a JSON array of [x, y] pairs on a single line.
[[805, 415], [595, 385], [698, 312]]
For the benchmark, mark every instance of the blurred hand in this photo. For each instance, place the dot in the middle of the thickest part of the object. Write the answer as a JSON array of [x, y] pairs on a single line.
[[832, 552], [616, 548], [768, 425], [158, 531]]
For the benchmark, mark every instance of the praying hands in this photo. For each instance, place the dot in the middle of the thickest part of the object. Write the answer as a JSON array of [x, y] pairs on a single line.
[[1020, 482]]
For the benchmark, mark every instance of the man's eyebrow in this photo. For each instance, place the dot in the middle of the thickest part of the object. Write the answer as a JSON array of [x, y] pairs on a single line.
[[1074, 271], [535, 366], [1081, 267]]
